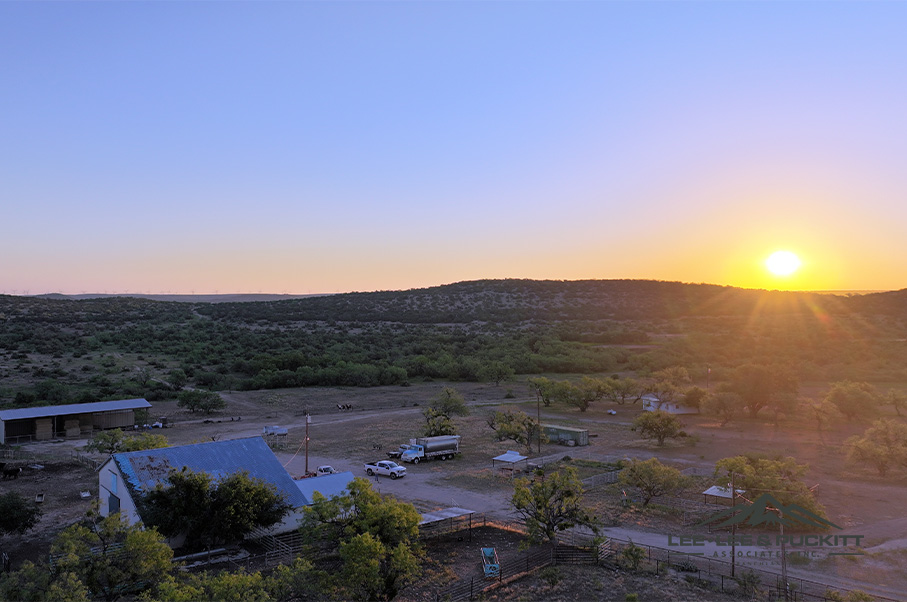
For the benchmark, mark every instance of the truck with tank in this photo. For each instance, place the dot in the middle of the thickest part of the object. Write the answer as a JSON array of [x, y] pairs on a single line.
[[443, 447]]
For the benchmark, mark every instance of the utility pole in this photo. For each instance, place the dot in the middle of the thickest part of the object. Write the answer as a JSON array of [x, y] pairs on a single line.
[[783, 557], [308, 419], [538, 420], [733, 528]]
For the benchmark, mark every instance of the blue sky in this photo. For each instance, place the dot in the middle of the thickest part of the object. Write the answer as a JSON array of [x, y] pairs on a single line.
[[320, 147]]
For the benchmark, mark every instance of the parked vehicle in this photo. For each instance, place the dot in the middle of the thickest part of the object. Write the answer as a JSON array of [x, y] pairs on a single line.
[[386, 468], [443, 447], [323, 470], [398, 452]]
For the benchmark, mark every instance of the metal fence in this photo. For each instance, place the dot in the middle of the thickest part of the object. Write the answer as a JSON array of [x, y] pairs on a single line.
[[719, 572], [86, 460], [511, 569], [605, 478], [577, 546]]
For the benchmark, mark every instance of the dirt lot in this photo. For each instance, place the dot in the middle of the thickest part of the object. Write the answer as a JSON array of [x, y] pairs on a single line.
[[387, 416]]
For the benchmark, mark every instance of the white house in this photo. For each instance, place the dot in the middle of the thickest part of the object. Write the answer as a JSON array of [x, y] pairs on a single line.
[[651, 404]]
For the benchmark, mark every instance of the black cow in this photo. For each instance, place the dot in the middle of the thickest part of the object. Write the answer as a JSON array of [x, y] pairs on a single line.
[[11, 473]]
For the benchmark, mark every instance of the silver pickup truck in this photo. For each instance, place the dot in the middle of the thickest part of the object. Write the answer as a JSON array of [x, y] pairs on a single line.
[[386, 468]]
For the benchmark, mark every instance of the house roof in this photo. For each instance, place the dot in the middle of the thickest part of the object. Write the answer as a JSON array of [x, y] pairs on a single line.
[[328, 485], [74, 408], [143, 470]]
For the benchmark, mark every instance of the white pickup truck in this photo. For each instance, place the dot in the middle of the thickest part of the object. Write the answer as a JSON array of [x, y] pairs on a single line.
[[386, 468]]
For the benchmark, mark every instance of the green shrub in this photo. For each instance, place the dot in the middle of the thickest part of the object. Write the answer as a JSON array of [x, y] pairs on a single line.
[[550, 575], [748, 582], [633, 556]]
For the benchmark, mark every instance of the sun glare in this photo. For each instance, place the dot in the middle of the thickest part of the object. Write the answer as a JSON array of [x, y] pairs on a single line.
[[782, 263]]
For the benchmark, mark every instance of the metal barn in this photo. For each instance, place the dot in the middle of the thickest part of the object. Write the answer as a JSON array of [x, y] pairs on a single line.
[[73, 420]]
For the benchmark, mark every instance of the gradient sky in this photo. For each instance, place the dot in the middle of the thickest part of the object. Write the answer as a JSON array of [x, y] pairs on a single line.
[[309, 147]]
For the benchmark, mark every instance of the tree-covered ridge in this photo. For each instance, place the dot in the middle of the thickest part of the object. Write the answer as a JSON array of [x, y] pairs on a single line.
[[510, 301], [60, 350]]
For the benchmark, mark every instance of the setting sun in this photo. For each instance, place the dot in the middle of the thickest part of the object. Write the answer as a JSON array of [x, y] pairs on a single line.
[[782, 263]]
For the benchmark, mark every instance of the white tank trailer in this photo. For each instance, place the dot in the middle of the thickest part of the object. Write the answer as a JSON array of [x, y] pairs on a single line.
[[443, 447]]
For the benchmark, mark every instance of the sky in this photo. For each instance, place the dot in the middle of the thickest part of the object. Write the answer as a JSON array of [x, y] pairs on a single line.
[[320, 147]]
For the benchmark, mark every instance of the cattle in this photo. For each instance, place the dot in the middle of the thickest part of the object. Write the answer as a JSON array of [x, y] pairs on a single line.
[[11, 473]]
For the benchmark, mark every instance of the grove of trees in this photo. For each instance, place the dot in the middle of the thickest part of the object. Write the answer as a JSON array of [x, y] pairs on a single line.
[[210, 512]]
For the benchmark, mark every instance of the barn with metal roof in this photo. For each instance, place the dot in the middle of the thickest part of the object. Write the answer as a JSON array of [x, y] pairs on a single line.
[[72, 420], [126, 476]]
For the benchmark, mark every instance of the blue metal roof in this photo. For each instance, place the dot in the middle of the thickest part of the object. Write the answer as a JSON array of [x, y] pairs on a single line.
[[143, 470], [74, 408], [328, 485]]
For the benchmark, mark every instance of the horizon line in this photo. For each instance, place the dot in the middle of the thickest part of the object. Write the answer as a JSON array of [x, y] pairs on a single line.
[[127, 293]]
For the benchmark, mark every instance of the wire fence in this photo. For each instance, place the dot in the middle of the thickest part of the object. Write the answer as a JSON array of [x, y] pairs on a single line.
[[734, 577], [510, 569], [605, 478], [576, 546]]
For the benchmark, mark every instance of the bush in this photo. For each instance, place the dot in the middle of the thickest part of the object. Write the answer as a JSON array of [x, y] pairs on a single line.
[[748, 582], [17, 515], [632, 556], [550, 575]]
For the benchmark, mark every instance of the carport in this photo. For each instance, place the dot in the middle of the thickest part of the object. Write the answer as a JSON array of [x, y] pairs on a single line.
[[509, 461]]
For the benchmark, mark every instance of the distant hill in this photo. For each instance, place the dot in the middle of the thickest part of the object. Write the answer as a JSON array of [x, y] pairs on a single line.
[[522, 301], [510, 301], [216, 298], [57, 348]]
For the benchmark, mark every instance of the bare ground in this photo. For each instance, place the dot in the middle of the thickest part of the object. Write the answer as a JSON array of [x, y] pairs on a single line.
[[387, 416]]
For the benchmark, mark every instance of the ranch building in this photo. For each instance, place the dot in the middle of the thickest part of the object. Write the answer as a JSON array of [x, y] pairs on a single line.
[[74, 420], [124, 477], [566, 435]]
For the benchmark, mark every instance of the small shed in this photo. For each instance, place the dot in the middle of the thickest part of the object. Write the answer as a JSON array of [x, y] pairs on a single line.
[[566, 435], [719, 494], [510, 461]]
